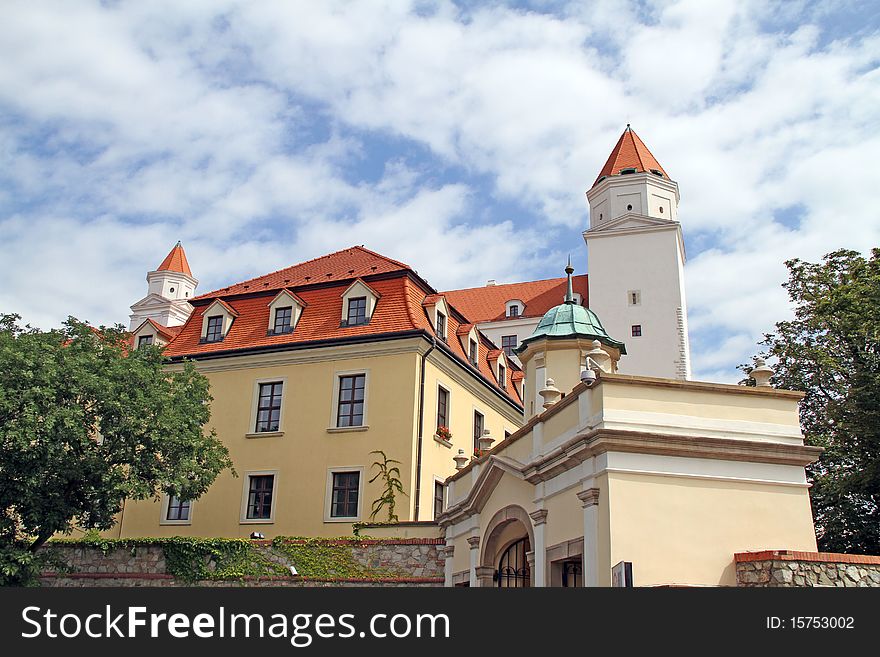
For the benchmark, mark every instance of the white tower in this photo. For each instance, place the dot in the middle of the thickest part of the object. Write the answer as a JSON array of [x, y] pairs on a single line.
[[169, 288], [636, 261]]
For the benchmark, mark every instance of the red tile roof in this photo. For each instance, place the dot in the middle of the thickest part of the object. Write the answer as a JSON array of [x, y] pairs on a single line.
[[630, 153], [399, 309], [176, 261], [345, 265], [489, 303]]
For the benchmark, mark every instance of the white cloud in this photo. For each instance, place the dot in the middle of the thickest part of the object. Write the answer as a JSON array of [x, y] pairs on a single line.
[[235, 126]]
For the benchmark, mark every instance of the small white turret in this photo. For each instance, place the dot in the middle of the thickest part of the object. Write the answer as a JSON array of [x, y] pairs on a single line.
[[169, 289]]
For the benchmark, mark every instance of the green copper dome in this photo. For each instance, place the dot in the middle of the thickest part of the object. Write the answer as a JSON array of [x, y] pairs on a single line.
[[570, 320]]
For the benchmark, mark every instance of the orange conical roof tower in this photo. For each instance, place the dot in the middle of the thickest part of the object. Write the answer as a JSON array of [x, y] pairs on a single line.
[[631, 155], [176, 261]]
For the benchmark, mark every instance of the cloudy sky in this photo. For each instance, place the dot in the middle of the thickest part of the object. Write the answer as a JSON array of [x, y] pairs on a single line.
[[457, 137]]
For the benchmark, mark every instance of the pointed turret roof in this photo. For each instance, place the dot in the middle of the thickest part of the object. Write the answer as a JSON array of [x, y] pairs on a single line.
[[630, 153], [176, 261]]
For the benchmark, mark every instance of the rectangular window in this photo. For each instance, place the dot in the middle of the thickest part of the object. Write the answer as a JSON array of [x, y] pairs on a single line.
[[508, 344], [636, 330], [350, 406], [442, 407], [259, 506], [269, 407], [344, 501], [634, 297], [502, 375], [357, 311], [215, 329], [479, 422], [145, 340], [177, 509], [438, 498], [441, 325], [282, 319], [473, 352], [513, 311]]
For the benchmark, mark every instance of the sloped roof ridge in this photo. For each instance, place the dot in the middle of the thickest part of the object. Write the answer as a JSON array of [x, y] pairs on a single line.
[[482, 287], [357, 247]]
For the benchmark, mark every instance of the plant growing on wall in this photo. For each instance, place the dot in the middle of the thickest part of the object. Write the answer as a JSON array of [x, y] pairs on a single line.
[[390, 476]]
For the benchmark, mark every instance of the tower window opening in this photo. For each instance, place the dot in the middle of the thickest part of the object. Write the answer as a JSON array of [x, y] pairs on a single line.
[[629, 207], [627, 171], [661, 209]]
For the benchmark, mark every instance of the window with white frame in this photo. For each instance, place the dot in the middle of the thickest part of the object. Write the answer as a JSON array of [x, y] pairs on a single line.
[[357, 311], [283, 317], [260, 493], [177, 510], [438, 498], [215, 329], [441, 325], [269, 407], [350, 404], [345, 494]]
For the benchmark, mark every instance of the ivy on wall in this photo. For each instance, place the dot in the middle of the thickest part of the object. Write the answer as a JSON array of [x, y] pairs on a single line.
[[191, 559]]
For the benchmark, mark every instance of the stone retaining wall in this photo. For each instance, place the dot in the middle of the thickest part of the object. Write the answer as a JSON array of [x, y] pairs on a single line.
[[396, 562], [785, 568]]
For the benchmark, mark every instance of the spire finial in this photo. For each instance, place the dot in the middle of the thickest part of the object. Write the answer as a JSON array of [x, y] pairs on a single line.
[[569, 270]]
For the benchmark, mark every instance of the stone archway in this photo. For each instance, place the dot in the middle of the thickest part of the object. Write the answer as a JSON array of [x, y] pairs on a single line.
[[506, 527]]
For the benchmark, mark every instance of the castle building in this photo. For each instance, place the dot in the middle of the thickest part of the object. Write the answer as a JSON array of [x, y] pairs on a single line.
[[547, 430], [313, 369]]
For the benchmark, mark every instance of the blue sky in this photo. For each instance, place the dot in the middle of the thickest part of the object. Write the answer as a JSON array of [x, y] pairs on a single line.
[[459, 138]]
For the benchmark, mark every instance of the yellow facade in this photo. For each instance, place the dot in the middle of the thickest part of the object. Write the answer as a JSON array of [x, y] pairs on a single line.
[[308, 447], [673, 477]]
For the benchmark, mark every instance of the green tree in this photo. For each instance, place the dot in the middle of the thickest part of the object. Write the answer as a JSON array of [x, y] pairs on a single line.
[[831, 352], [391, 477], [85, 423]]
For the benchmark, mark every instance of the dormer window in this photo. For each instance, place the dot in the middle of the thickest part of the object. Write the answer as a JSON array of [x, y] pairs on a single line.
[[284, 312], [282, 319], [357, 311], [513, 308], [473, 352], [145, 341], [358, 304], [441, 325], [215, 329], [217, 321], [502, 375]]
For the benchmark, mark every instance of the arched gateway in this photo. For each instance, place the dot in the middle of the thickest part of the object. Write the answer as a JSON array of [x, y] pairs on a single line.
[[507, 550]]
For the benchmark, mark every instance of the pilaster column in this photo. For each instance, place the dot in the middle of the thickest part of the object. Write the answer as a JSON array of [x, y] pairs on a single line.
[[446, 552], [590, 501], [474, 543], [539, 518]]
